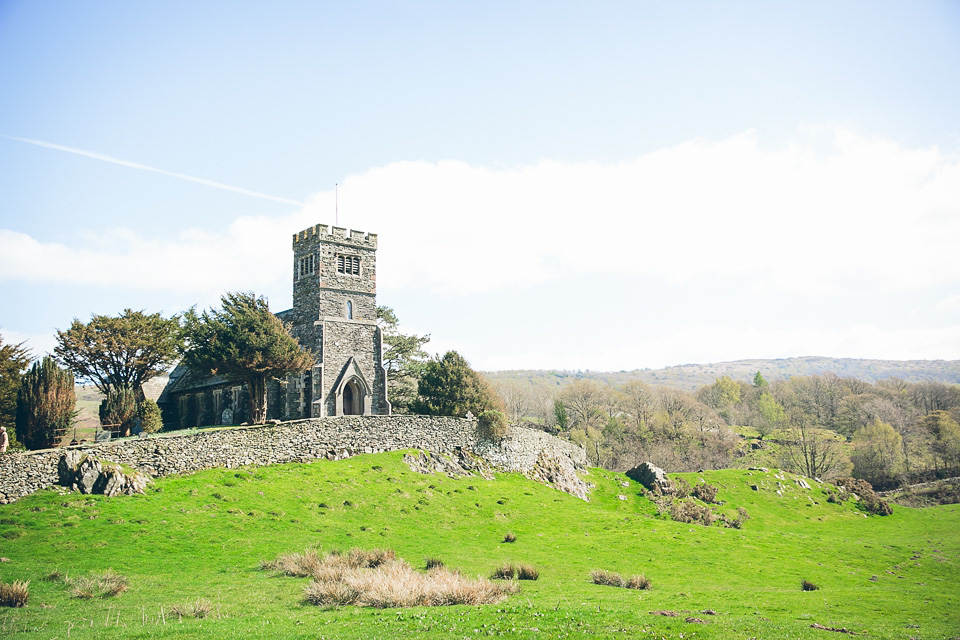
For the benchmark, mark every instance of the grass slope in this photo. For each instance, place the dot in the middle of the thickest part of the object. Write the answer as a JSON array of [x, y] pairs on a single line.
[[204, 535]]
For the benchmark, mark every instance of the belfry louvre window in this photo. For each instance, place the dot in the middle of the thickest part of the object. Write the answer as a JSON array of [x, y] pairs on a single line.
[[306, 265], [349, 265]]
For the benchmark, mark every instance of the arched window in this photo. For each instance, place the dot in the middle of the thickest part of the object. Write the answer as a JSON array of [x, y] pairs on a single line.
[[349, 309]]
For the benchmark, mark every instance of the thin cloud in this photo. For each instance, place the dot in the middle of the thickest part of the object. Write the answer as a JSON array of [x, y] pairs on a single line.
[[163, 172]]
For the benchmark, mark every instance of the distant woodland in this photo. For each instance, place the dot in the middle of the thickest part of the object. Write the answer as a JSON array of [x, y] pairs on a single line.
[[888, 422]]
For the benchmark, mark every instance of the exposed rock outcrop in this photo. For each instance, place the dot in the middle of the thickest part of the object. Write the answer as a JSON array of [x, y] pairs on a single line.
[[653, 478], [86, 474]]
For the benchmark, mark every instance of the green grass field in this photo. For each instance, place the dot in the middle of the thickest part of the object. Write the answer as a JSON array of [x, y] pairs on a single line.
[[203, 536]]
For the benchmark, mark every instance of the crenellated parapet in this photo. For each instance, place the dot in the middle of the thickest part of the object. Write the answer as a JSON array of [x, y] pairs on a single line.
[[336, 234]]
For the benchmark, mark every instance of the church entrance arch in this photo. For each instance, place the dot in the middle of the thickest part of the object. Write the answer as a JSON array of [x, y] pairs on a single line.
[[352, 398]]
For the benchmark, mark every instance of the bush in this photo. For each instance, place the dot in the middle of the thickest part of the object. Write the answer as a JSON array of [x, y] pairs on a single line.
[[641, 582], [434, 563], [705, 492], [15, 594], [737, 523], [869, 500], [806, 585], [606, 578], [149, 414], [682, 488], [691, 512], [492, 425], [510, 537]]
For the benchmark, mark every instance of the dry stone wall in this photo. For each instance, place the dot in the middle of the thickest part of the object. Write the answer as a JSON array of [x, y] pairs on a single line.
[[523, 450]]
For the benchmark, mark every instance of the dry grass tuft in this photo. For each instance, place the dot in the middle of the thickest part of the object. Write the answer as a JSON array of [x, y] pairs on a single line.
[[641, 582], [15, 594], [510, 536], [199, 609], [504, 572], [527, 572], [377, 578], [606, 578], [105, 584], [806, 585]]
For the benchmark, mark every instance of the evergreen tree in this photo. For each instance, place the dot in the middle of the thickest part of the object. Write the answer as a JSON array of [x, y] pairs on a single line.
[[449, 387], [45, 405], [118, 410], [243, 342], [14, 360], [119, 353], [403, 358]]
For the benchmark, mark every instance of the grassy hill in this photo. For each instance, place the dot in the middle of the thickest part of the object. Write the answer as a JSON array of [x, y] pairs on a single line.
[[689, 377], [203, 536]]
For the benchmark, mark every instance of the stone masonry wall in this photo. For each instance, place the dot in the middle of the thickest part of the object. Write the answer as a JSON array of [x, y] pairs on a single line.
[[333, 438]]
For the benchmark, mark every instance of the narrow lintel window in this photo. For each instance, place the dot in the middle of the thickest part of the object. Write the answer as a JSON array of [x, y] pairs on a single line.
[[349, 265], [307, 265], [349, 309]]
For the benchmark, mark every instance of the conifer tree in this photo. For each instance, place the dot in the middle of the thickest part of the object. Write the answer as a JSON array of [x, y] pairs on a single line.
[[45, 405], [242, 342]]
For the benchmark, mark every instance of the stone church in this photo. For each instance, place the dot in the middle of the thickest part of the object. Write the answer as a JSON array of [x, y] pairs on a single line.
[[334, 315]]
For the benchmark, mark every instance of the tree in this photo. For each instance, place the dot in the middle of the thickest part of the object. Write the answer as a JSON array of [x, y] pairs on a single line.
[[243, 342], [45, 404], [120, 352], [584, 400], [118, 410], [449, 387], [560, 415], [640, 402], [723, 395], [14, 360], [877, 454], [812, 451], [770, 415], [945, 434], [403, 359], [759, 382]]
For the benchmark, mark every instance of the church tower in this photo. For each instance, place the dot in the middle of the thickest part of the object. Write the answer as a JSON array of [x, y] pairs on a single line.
[[335, 316]]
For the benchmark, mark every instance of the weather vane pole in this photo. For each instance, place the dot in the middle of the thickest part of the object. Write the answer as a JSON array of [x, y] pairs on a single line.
[[336, 204]]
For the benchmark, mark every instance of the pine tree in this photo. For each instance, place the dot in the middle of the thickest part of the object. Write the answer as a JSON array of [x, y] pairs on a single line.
[[45, 405]]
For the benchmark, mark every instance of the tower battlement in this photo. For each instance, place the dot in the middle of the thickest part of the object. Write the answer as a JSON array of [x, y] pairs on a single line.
[[336, 234]]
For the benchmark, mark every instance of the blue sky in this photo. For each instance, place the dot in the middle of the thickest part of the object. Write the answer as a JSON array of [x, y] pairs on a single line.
[[602, 185]]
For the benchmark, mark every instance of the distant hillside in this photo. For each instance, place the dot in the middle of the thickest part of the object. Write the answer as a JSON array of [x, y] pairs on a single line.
[[691, 376]]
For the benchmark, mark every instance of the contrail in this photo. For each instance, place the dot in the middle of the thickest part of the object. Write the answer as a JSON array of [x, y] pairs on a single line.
[[163, 172]]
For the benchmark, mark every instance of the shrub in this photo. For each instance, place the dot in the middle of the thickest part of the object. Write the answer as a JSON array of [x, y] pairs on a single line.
[[492, 425], [682, 488], [806, 585], [742, 516], [705, 492], [509, 537], [606, 578], [869, 500], [15, 594], [691, 512], [641, 582], [434, 563]]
